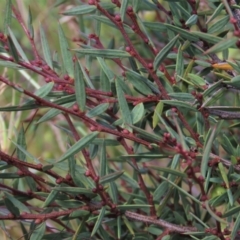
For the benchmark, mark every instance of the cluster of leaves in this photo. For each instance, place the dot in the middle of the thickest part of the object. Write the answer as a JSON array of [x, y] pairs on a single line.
[[146, 100]]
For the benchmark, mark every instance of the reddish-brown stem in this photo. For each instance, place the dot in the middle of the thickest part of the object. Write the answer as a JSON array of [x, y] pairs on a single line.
[[20, 20], [91, 169], [40, 216], [142, 185], [18, 192]]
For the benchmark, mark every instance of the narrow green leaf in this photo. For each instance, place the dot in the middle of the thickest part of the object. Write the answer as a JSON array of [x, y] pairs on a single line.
[[69, 203], [215, 97], [160, 191], [21, 142], [227, 145], [47, 167], [192, 20], [119, 227], [53, 113], [11, 64], [158, 110], [138, 82], [38, 232], [212, 213], [215, 13], [235, 82], [76, 214], [17, 45], [161, 56], [7, 16], [137, 113], [13, 52], [113, 192], [207, 37], [125, 220], [141, 83], [80, 87], [123, 9], [214, 87], [145, 31], [107, 5], [231, 212], [206, 151], [9, 175], [179, 104], [24, 231], [132, 206], [126, 114], [101, 108], [108, 72], [203, 63], [223, 174], [181, 190], [235, 125], [44, 90], [183, 10], [79, 229], [11, 207], [230, 197], [99, 221], [87, 78], [108, 22], [108, 142], [129, 180], [104, 53], [78, 146], [66, 55], [169, 170], [45, 48], [222, 45], [219, 25], [146, 155], [41, 92], [29, 23], [50, 198], [155, 231], [59, 235], [146, 134], [183, 33], [17, 203], [155, 26], [75, 190], [79, 10], [105, 84], [196, 79], [181, 96], [65, 99], [179, 64], [103, 160], [110, 177]]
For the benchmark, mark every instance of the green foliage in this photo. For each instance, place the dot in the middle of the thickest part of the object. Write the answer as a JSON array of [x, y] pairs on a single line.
[[120, 120]]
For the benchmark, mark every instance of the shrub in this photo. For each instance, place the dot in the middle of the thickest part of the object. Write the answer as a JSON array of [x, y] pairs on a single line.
[[127, 126]]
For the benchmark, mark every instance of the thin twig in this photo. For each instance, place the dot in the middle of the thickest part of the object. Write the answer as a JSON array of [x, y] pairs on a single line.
[[20, 20], [170, 226]]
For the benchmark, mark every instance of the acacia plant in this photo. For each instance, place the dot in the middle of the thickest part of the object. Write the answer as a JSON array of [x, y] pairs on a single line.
[[127, 126]]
